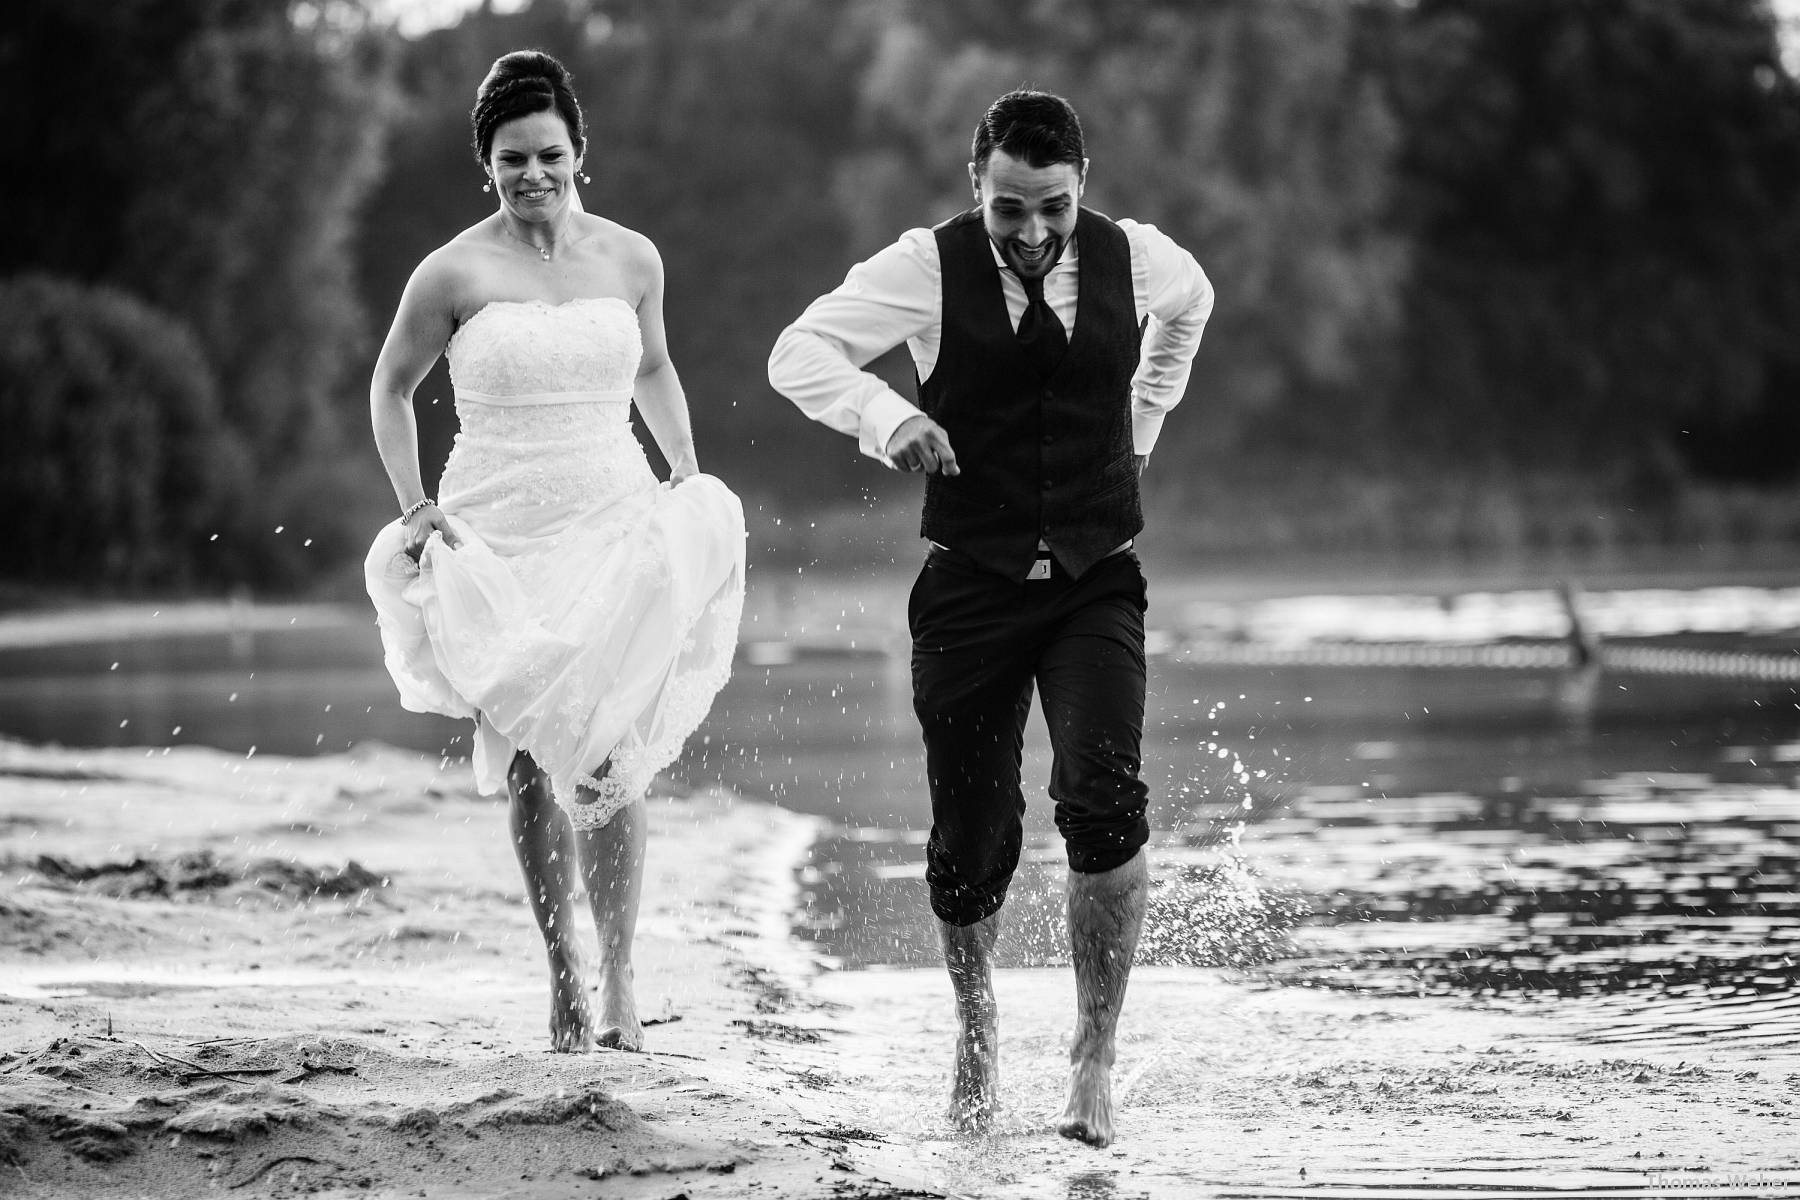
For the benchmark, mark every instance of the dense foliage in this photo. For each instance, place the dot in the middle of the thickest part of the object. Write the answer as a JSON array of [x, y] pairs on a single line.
[[119, 467], [1493, 275], [209, 157], [1607, 236]]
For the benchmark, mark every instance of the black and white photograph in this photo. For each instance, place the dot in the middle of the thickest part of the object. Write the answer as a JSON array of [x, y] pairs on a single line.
[[868, 599]]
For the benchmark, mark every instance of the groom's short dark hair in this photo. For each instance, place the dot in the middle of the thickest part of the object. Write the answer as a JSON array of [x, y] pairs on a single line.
[[1035, 127]]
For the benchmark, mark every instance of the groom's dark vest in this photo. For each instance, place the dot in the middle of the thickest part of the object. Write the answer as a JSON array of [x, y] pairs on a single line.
[[1042, 456]]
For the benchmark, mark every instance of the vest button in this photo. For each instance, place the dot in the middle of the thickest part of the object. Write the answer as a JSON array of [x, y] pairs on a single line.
[[1046, 485], [1049, 438]]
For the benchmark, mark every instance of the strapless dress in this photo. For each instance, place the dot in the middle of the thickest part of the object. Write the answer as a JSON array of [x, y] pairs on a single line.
[[590, 615]]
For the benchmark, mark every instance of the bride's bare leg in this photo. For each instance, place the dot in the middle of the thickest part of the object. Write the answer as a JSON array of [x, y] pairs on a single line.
[[612, 862], [545, 845]]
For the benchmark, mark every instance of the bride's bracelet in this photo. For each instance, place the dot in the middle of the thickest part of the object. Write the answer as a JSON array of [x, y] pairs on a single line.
[[409, 513]]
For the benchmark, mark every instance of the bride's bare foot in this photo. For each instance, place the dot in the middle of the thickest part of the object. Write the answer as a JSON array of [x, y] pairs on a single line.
[[975, 1080], [1087, 1114], [619, 1025], [571, 1015]]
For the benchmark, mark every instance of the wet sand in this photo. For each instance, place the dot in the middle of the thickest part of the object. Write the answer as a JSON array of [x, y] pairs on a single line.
[[318, 976], [270, 976]]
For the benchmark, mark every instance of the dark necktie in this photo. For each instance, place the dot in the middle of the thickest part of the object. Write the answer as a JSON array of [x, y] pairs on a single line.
[[1041, 335]]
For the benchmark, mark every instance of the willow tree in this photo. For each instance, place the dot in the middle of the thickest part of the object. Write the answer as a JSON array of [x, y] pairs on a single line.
[[210, 162]]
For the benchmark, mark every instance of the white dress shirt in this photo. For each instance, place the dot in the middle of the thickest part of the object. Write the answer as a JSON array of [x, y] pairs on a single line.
[[897, 296]]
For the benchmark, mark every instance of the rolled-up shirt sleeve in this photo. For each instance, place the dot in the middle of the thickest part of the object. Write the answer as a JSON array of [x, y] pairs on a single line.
[[817, 362], [1176, 299]]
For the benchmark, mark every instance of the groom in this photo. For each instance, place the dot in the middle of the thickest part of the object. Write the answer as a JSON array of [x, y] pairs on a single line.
[[1049, 341]]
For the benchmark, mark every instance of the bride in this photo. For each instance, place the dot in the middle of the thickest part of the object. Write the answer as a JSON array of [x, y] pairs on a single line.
[[584, 614]]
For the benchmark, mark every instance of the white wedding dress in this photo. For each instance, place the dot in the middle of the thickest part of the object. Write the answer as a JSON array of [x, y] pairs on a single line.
[[590, 614]]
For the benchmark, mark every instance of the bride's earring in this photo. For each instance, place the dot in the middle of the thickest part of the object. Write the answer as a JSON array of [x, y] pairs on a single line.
[[488, 186], [586, 178]]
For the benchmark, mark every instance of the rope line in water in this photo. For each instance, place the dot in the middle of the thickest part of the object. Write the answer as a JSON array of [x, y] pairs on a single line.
[[1631, 660]]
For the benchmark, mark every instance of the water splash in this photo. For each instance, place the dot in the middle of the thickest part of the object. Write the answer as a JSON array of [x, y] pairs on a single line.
[[1219, 914]]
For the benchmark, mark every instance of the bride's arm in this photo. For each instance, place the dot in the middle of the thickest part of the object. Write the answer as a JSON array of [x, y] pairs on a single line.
[[422, 325], [659, 396]]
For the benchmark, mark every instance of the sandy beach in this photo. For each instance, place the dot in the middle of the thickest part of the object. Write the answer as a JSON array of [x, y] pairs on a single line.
[[318, 976], [273, 976]]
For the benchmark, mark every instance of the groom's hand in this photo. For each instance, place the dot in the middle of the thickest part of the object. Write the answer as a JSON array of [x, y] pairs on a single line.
[[920, 444]]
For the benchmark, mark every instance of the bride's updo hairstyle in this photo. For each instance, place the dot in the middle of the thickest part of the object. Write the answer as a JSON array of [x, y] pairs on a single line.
[[517, 85]]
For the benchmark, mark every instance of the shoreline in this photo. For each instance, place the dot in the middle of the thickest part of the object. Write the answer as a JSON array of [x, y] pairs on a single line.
[[858, 612], [232, 998], [79, 624], [318, 977]]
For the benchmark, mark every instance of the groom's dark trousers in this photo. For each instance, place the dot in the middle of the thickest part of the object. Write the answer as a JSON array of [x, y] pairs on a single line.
[[980, 644]]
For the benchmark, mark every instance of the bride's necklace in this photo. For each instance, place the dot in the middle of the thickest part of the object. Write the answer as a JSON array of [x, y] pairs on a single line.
[[543, 252]]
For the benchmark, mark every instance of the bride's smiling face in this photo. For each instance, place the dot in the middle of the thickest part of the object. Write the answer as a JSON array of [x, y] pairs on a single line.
[[533, 164]]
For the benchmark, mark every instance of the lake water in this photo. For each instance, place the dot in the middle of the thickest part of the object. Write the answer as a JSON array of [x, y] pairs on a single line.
[[1403, 826]]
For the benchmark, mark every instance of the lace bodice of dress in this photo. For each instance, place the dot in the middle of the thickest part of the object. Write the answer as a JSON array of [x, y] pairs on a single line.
[[518, 347], [543, 394]]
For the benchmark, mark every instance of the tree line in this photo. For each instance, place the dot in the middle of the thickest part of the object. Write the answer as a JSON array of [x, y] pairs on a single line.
[[1493, 275]]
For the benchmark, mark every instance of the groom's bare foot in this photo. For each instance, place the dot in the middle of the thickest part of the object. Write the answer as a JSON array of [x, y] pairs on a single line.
[[619, 1025], [975, 1080], [1087, 1114], [571, 1015]]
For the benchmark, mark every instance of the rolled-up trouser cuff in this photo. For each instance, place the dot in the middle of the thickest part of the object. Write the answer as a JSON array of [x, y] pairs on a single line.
[[964, 906], [1093, 855]]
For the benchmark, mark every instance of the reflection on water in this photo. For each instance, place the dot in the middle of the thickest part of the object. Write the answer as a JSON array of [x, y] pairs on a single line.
[[308, 690], [828, 734], [1670, 900], [1382, 828], [1650, 865], [1677, 887]]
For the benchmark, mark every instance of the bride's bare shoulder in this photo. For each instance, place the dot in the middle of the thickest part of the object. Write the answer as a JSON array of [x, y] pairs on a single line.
[[631, 256], [472, 251], [459, 273]]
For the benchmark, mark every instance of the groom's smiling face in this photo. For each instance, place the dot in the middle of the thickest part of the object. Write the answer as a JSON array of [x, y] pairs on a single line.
[[1029, 211]]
